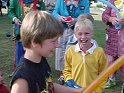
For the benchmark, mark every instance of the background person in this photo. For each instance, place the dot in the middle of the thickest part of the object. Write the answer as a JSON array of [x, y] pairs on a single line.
[[3, 88], [16, 11], [63, 10], [114, 47]]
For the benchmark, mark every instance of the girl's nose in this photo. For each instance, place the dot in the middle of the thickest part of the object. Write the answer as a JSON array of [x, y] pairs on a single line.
[[83, 36]]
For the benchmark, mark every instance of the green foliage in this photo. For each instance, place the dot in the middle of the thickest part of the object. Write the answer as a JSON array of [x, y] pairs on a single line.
[[99, 5]]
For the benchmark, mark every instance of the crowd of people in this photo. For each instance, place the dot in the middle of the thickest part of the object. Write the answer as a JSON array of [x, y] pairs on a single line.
[[66, 26]]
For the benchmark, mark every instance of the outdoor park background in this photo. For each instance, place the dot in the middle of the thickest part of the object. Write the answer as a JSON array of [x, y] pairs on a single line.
[[6, 47]]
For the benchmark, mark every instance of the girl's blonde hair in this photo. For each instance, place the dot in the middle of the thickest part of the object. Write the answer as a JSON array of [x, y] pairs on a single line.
[[39, 26], [84, 23]]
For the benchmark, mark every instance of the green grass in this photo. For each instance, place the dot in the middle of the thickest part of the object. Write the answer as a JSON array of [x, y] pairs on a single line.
[[6, 49]]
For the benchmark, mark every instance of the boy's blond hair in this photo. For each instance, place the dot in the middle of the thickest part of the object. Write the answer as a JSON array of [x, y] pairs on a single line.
[[88, 16], [39, 26], [84, 23]]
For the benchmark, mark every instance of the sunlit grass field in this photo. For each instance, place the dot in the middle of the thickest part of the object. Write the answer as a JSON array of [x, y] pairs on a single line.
[[7, 48]]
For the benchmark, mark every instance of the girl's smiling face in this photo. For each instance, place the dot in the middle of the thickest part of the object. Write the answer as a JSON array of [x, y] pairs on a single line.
[[84, 35]]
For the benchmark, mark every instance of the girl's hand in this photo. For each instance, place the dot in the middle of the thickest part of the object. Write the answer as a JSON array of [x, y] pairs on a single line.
[[121, 21], [62, 18], [71, 22], [114, 20]]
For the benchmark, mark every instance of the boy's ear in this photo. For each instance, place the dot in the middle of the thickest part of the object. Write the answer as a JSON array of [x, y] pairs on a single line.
[[33, 44]]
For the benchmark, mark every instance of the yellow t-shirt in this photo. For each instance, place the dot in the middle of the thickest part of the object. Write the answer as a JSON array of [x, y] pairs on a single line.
[[84, 69]]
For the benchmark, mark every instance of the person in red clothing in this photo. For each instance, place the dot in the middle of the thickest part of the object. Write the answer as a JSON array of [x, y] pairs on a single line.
[[3, 88], [114, 47]]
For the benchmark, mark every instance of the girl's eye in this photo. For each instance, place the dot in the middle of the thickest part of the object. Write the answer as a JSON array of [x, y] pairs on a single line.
[[80, 34], [86, 33]]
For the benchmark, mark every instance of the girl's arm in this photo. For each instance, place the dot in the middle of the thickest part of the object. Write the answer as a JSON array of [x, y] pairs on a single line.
[[57, 9], [67, 65], [87, 6], [63, 89], [102, 67], [107, 14], [12, 9]]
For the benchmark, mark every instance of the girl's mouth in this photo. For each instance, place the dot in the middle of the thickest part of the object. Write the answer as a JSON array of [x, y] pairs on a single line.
[[83, 40]]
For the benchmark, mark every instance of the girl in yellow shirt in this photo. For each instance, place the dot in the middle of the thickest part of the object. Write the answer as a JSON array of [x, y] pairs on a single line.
[[84, 61]]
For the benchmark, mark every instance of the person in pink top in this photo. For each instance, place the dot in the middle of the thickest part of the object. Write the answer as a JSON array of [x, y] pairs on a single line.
[[114, 47]]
